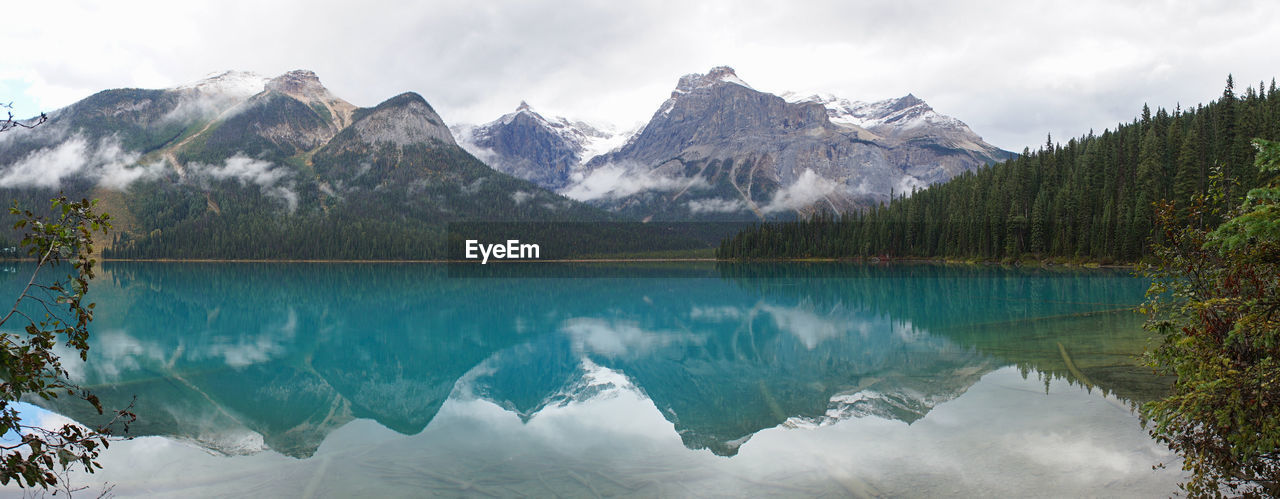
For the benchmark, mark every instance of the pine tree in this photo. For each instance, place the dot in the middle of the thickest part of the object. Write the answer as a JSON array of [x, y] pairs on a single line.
[[1188, 181]]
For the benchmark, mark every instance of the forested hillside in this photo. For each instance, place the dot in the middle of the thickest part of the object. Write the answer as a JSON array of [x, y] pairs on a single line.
[[1091, 198], [239, 166]]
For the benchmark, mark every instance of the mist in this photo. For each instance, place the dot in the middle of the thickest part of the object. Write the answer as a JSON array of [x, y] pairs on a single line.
[[807, 190], [105, 162], [273, 181], [614, 181]]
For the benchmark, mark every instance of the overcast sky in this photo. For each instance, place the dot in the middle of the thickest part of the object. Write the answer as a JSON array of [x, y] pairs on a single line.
[[1013, 71]]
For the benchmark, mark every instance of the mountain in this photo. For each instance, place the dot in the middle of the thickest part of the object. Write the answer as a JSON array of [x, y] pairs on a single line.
[[545, 151], [909, 121], [1098, 197], [719, 149], [242, 166]]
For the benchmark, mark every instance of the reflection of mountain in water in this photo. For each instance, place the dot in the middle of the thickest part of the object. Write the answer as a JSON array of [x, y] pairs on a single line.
[[238, 357], [750, 368]]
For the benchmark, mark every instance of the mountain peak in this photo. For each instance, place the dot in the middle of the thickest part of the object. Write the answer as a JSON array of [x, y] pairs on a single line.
[[908, 101], [305, 86], [717, 75], [230, 82], [525, 112], [297, 82], [405, 119]]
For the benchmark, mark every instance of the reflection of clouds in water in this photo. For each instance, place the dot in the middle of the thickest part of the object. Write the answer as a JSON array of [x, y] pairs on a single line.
[[1083, 453], [113, 352], [618, 338], [715, 314], [248, 350], [810, 327], [1005, 438]]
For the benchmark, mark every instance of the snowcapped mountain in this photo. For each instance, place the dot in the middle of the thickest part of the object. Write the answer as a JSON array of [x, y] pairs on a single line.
[[239, 84], [898, 120], [546, 151], [718, 149], [694, 81]]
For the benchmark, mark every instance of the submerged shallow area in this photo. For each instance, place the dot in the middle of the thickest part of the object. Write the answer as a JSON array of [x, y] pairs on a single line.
[[676, 379]]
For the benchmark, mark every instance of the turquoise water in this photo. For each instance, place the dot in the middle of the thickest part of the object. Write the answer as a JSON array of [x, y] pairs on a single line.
[[690, 379]]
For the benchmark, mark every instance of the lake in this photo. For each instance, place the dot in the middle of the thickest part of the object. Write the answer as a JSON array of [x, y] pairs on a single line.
[[693, 379]]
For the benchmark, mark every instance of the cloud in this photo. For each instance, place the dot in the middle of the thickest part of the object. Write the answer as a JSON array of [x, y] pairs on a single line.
[[716, 205], [105, 161], [908, 185], [803, 193], [1014, 71], [47, 167], [246, 170], [203, 106], [614, 181], [521, 196], [273, 182], [464, 135]]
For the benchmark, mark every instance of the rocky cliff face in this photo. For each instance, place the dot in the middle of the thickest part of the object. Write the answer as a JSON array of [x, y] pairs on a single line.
[[403, 120], [525, 144], [718, 149], [933, 147]]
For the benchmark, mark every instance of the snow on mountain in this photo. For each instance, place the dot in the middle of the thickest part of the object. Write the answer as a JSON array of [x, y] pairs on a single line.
[[900, 113], [717, 148], [546, 151], [694, 81], [239, 84]]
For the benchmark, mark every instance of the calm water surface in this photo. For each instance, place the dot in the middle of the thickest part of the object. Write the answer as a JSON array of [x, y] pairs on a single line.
[[334, 380]]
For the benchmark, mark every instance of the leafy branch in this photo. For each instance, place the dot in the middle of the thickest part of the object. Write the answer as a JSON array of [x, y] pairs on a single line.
[[29, 366]]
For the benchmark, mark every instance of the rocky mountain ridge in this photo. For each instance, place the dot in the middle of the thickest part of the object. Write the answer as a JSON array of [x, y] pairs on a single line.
[[237, 165], [719, 149]]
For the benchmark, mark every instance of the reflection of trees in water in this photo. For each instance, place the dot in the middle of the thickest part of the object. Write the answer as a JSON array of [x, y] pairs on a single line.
[[219, 353], [1041, 319]]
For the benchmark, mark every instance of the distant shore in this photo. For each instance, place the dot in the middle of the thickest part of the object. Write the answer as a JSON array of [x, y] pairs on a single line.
[[580, 260], [1016, 263]]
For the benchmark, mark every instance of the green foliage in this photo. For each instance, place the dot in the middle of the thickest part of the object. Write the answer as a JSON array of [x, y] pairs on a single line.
[[1092, 198], [1259, 219], [1214, 303], [53, 312]]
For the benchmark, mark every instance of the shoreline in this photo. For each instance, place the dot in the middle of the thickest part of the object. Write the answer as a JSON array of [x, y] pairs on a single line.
[[579, 260], [1019, 263]]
